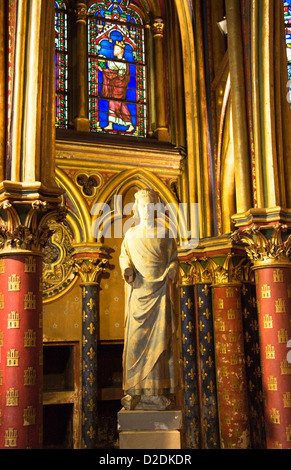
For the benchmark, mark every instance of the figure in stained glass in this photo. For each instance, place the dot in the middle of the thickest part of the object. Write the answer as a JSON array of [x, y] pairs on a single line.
[[117, 98]]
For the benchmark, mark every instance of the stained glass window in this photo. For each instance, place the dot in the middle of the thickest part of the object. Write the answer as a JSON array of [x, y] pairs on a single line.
[[61, 64], [117, 82], [287, 18]]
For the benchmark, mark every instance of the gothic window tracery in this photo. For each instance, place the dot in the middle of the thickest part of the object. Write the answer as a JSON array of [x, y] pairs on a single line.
[[287, 19]]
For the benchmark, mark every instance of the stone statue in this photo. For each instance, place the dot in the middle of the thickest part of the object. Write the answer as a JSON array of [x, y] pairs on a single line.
[[149, 265]]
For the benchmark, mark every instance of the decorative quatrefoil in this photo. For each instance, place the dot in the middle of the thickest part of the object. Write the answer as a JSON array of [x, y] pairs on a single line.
[[89, 184]]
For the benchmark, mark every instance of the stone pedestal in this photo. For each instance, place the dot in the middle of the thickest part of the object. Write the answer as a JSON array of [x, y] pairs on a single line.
[[139, 429]]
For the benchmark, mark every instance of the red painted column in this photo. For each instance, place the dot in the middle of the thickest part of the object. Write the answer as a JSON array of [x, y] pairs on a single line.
[[20, 351], [273, 285], [230, 366]]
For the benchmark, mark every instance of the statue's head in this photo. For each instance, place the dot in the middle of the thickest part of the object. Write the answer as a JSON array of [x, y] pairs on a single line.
[[145, 202]]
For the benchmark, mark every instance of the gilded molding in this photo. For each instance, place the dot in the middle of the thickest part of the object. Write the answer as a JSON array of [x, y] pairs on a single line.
[[263, 250]]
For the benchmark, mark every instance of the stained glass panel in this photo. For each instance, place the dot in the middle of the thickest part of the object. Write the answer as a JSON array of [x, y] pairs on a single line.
[[61, 64], [117, 85], [287, 18]]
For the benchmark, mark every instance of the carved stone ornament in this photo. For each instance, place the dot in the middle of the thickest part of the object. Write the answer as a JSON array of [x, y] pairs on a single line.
[[158, 27], [81, 12], [25, 226], [89, 269], [263, 250]]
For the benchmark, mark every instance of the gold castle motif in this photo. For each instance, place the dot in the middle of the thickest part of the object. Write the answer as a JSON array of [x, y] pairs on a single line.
[[266, 292], [1, 301], [30, 265], [275, 416], [29, 376], [283, 336], [12, 358], [270, 352], [268, 321], [272, 383], [12, 397], [30, 339], [280, 306], [287, 400], [278, 275], [10, 437], [30, 301], [285, 367], [13, 320], [29, 416], [14, 283]]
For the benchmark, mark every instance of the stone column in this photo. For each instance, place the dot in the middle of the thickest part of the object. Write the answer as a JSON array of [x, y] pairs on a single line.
[[21, 373], [82, 122], [269, 251], [190, 372], [206, 366], [90, 266], [162, 131], [230, 359]]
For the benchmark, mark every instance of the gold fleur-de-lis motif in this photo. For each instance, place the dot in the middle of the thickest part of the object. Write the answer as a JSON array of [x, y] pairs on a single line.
[[210, 361], [84, 341], [208, 337], [203, 374], [183, 315], [91, 304], [206, 290], [84, 316], [201, 325], [200, 302], [91, 433], [192, 374], [190, 327], [184, 338], [206, 425], [189, 303], [207, 313], [182, 293], [84, 292], [202, 349], [211, 386], [91, 328], [190, 350], [192, 399], [91, 405], [185, 362], [91, 353], [91, 379], [204, 399]]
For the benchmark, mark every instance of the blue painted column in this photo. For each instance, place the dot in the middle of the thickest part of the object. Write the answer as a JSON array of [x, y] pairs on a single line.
[[89, 365], [206, 366], [190, 372]]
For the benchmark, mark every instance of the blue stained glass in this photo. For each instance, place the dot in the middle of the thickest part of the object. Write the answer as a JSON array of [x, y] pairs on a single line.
[[287, 19], [116, 68]]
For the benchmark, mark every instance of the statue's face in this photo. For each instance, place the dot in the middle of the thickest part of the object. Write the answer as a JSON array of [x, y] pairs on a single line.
[[146, 209]]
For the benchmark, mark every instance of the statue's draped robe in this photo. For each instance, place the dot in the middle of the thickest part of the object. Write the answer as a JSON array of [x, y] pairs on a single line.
[[149, 366]]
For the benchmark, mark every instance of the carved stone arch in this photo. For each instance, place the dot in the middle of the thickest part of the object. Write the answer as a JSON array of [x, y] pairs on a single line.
[[141, 179]]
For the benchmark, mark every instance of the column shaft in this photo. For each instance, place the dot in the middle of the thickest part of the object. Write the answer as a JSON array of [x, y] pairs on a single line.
[[206, 366], [21, 351], [89, 365], [82, 122], [273, 286], [230, 365], [190, 375]]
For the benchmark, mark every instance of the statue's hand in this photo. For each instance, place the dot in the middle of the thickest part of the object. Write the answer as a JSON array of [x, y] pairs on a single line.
[[128, 275]]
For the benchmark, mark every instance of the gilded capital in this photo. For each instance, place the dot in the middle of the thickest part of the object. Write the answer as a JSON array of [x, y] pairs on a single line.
[[265, 245], [158, 27], [89, 269], [81, 12], [24, 225]]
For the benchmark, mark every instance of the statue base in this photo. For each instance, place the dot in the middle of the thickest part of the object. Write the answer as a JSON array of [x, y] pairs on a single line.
[[149, 429]]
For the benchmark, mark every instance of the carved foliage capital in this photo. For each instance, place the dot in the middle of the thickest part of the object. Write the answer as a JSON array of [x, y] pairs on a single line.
[[158, 27], [26, 226], [265, 245], [89, 269]]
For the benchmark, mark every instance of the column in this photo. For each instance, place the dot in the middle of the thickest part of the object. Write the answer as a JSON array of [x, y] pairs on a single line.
[[273, 286], [253, 363], [162, 131], [21, 351], [89, 266], [268, 247], [206, 366], [82, 122], [21, 371], [230, 366], [190, 373]]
